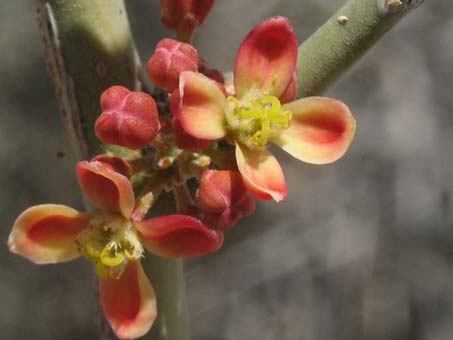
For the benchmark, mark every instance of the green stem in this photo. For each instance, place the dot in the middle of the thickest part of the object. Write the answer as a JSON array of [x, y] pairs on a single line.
[[89, 47], [343, 39]]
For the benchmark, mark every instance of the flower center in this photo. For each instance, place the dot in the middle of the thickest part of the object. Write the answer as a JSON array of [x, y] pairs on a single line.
[[255, 118], [110, 242]]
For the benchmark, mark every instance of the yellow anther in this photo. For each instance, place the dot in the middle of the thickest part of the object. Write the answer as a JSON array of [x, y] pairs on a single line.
[[110, 242], [165, 162], [111, 257], [255, 118]]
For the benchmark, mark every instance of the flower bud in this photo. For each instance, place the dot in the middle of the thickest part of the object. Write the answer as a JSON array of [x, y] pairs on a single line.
[[128, 118], [170, 58], [223, 198], [184, 16], [212, 73]]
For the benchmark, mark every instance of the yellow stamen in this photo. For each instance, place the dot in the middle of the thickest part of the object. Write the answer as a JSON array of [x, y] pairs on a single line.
[[255, 118], [110, 242], [111, 257]]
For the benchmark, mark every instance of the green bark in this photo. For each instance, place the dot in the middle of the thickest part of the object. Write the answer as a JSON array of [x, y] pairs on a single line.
[[343, 40]]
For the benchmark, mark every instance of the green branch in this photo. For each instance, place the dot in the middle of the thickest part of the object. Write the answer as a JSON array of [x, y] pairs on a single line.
[[89, 47], [343, 39]]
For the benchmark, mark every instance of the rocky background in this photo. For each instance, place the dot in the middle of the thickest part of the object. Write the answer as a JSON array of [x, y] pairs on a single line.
[[362, 249]]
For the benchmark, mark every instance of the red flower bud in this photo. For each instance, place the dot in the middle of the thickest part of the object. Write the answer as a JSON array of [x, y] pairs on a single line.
[[210, 72], [184, 16], [128, 118], [223, 198], [170, 58]]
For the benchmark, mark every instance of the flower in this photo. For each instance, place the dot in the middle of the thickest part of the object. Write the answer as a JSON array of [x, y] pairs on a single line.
[[128, 118], [223, 198], [114, 240], [184, 16], [316, 130]]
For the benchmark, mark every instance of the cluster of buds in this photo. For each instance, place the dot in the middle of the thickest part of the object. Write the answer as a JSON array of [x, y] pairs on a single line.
[[207, 146]]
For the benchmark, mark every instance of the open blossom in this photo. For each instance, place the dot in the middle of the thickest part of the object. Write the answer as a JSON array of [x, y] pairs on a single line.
[[114, 240], [128, 118], [316, 130]]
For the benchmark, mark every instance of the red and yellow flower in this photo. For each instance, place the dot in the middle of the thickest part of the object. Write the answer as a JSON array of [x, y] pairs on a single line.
[[316, 130], [114, 240]]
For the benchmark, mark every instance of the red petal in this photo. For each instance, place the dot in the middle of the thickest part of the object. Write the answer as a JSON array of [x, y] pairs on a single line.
[[320, 132], [202, 106], [185, 141], [128, 119], [178, 236], [291, 90], [261, 173], [114, 163], [106, 189], [267, 58], [129, 302], [47, 233]]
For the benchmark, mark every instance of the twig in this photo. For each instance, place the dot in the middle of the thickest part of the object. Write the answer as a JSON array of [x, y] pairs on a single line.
[[344, 38]]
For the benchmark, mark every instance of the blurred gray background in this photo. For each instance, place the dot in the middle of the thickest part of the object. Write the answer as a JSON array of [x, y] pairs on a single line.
[[362, 249]]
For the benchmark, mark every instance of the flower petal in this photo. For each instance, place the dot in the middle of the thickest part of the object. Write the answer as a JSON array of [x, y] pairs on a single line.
[[261, 173], [321, 130], [185, 141], [267, 58], [115, 163], [129, 302], [202, 109], [290, 91], [178, 236], [47, 233], [106, 189]]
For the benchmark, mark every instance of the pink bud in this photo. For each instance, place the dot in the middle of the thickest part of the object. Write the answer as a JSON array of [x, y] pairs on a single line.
[[170, 58], [184, 16], [128, 118], [223, 198]]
